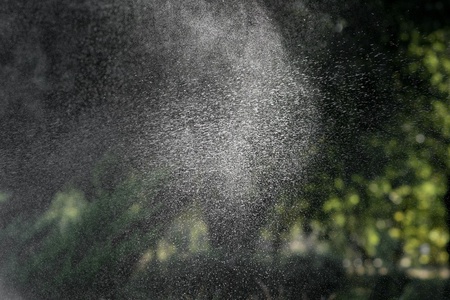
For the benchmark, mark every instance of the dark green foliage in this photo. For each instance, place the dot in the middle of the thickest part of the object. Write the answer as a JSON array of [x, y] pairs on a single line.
[[91, 255], [99, 256], [312, 277], [433, 289], [389, 286], [201, 276], [446, 290], [238, 277]]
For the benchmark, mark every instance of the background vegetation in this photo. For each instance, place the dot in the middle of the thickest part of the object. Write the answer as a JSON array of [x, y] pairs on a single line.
[[372, 220]]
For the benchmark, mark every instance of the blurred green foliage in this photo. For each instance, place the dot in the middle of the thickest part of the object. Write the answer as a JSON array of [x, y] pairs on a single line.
[[88, 246], [379, 190]]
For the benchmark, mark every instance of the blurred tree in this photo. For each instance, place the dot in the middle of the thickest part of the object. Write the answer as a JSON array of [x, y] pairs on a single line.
[[379, 186], [80, 249]]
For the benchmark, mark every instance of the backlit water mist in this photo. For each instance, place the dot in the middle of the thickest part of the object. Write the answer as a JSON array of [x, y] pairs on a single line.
[[234, 122], [202, 91]]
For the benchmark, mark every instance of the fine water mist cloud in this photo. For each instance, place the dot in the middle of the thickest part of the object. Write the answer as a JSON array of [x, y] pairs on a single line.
[[235, 121], [202, 90]]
